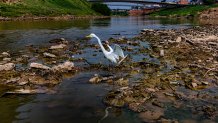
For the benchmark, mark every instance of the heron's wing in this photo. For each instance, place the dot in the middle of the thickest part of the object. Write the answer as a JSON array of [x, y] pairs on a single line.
[[118, 51]]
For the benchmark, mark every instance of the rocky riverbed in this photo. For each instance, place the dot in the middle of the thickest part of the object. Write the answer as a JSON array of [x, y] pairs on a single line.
[[165, 69]]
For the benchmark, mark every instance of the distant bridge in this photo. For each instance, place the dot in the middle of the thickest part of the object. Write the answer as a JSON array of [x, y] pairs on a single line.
[[139, 2]]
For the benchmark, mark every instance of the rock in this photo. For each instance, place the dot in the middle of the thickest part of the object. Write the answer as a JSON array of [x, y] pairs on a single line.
[[49, 55], [150, 89], [117, 102], [7, 66], [122, 82], [12, 80], [161, 53], [162, 120], [169, 94], [37, 80], [25, 56], [179, 39], [60, 46], [7, 59], [194, 85], [19, 59], [6, 54], [149, 116], [129, 48], [59, 41], [147, 30], [26, 91], [134, 106], [66, 66], [157, 103], [39, 66], [205, 83], [22, 83], [96, 79]]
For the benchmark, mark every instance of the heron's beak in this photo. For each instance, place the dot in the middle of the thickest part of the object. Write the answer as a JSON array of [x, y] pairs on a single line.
[[88, 36]]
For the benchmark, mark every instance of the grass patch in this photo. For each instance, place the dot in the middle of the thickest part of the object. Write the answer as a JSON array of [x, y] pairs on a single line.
[[192, 10], [46, 8]]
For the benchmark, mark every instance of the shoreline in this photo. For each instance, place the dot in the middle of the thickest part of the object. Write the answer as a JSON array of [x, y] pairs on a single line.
[[38, 18]]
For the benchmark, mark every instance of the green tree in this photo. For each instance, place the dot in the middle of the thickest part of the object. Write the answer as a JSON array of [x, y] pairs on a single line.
[[101, 8], [209, 2]]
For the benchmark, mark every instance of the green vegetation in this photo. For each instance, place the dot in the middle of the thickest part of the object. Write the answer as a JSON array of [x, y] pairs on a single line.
[[192, 10], [101, 8], [45, 8], [209, 2]]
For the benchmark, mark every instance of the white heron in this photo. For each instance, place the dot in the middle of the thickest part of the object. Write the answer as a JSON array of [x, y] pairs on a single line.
[[114, 54]]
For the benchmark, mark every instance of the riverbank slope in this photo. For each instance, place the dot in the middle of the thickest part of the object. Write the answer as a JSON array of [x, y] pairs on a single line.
[[192, 10], [39, 8]]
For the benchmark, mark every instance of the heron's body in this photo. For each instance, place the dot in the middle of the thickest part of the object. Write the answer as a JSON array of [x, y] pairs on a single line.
[[114, 54]]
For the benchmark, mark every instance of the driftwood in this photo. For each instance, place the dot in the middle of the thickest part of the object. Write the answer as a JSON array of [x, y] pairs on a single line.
[[215, 69]]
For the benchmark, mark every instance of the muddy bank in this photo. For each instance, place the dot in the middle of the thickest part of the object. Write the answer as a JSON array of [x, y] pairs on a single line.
[[64, 17], [209, 14]]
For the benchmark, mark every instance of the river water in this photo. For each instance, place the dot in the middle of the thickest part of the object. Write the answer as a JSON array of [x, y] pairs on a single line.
[[75, 100]]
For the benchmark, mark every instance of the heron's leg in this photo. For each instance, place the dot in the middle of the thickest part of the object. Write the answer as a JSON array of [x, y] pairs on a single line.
[[109, 65]]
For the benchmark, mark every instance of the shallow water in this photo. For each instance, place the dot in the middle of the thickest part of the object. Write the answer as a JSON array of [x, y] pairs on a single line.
[[75, 99]]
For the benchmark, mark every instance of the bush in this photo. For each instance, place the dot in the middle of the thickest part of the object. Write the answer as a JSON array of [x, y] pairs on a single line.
[[101, 8], [209, 2]]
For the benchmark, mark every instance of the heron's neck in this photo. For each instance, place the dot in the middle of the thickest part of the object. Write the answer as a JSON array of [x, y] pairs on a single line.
[[99, 42], [111, 50]]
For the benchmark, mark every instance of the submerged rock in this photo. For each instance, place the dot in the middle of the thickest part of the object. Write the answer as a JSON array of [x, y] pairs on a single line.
[[7, 66], [151, 115], [39, 66], [114, 99]]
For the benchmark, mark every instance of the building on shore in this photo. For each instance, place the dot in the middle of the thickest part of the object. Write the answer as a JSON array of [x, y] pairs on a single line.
[[183, 2]]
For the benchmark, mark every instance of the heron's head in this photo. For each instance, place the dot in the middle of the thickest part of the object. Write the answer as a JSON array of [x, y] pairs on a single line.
[[91, 35]]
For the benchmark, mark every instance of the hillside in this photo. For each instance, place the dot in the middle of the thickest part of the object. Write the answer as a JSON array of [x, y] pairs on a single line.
[[192, 10], [17, 8]]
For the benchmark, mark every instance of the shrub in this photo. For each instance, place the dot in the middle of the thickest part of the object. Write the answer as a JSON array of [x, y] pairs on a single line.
[[101, 8]]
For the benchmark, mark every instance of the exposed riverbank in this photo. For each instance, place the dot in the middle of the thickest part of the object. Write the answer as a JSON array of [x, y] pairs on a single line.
[[178, 70], [185, 78]]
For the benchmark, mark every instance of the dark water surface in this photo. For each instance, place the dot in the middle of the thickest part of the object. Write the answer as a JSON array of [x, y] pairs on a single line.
[[76, 101]]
